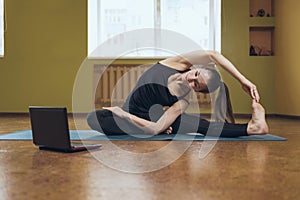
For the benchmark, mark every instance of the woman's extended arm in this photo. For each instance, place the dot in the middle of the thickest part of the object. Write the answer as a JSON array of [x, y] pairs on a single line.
[[248, 86], [161, 125], [202, 57]]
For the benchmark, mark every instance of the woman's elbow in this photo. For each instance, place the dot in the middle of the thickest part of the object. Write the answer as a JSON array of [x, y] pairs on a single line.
[[213, 53]]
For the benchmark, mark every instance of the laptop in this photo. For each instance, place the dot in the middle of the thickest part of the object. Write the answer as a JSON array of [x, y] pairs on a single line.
[[50, 130]]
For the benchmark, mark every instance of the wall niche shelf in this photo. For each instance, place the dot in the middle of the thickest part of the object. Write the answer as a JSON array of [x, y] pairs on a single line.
[[261, 27], [261, 41], [256, 6], [262, 21]]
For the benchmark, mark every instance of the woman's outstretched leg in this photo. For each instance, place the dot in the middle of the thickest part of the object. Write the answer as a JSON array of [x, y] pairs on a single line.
[[257, 125]]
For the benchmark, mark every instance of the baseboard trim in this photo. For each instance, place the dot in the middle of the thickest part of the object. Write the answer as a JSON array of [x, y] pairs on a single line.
[[8, 114], [287, 116], [243, 115], [26, 114], [204, 115], [268, 116]]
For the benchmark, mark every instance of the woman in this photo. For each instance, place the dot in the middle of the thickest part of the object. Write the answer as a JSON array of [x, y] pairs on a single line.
[[166, 84]]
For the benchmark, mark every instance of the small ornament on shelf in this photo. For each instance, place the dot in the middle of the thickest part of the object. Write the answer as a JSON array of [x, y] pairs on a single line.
[[252, 51], [261, 12], [260, 51]]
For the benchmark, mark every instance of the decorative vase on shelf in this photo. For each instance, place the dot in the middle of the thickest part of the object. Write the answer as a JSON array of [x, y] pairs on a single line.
[[252, 51], [261, 12]]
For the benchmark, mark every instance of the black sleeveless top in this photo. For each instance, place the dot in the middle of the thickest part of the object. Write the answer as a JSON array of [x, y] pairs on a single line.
[[151, 93]]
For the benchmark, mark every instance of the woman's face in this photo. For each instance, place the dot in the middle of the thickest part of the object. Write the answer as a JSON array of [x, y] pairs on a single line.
[[197, 79]]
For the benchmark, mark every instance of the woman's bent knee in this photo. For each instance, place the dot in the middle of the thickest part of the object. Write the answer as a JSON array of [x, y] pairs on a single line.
[[92, 121]]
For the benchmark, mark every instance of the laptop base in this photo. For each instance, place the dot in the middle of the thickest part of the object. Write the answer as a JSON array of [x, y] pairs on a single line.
[[73, 149]]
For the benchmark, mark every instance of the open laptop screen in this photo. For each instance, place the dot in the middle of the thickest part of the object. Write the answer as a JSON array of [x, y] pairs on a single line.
[[50, 127]]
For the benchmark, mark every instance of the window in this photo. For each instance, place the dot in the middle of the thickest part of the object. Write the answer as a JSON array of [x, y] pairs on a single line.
[[197, 20], [1, 28]]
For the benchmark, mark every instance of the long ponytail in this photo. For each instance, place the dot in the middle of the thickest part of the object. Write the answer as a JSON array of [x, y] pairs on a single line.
[[222, 109], [221, 105]]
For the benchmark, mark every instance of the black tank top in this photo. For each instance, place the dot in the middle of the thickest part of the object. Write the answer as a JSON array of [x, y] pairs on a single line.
[[151, 93]]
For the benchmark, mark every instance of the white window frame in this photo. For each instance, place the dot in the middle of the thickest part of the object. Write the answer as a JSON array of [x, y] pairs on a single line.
[[93, 27]]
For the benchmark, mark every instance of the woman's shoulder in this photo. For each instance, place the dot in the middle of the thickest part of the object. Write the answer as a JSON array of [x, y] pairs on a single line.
[[177, 63], [159, 70], [158, 73]]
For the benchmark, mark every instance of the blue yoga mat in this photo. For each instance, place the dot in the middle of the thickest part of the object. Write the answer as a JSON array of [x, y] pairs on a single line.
[[94, 135]]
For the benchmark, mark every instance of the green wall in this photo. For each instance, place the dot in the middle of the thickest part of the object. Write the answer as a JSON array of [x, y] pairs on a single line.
[[235, 46], [287, 45], [46, 42]]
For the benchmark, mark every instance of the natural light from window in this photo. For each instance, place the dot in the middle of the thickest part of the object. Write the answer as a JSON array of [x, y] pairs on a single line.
[[198, 20]]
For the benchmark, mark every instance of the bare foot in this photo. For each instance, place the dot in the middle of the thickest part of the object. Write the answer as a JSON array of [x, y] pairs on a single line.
[[258, 124]]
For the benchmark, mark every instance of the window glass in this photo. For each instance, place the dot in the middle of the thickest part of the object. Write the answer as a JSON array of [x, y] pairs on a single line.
[[117, 16], [197, 20], [190, 18]]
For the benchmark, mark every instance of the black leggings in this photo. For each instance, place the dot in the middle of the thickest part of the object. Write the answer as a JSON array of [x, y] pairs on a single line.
[[104, 121]]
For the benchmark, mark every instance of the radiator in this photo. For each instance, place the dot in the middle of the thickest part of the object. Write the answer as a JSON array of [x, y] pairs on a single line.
[[113, 83]]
